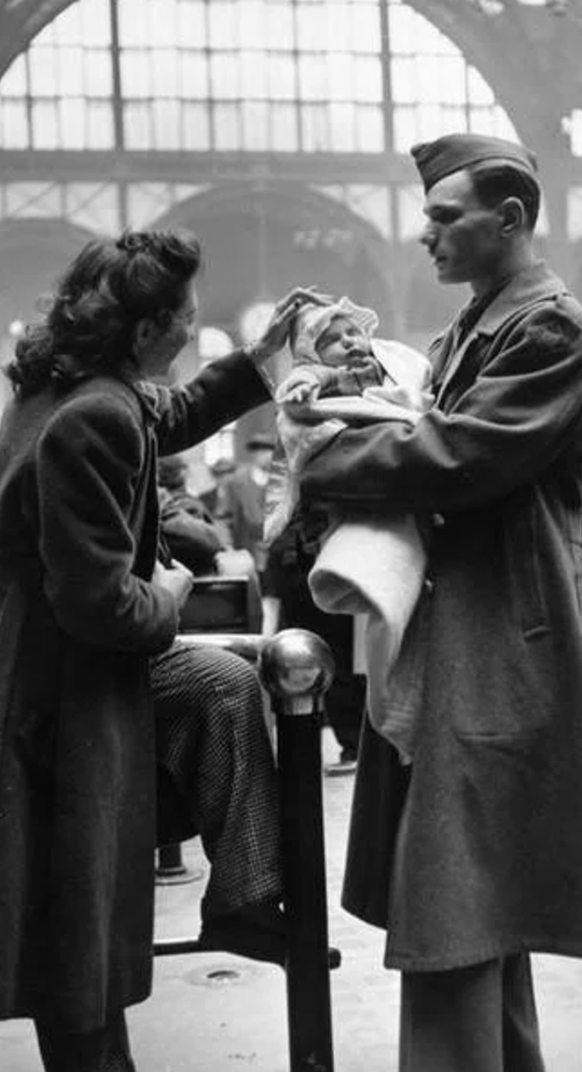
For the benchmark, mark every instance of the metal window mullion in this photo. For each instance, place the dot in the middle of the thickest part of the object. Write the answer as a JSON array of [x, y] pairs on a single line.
[[208, 54], [117, 105], [117, 101], [385, 57], [28, 99], [295, 53]]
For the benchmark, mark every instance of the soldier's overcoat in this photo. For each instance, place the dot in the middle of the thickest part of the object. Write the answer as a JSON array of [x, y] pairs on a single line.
[[480, 855]]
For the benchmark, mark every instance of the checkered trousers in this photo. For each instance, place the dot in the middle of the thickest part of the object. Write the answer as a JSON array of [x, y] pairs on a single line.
[[217, 773]]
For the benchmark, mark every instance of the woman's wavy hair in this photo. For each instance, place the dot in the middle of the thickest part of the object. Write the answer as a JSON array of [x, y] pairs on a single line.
[[108, 288]]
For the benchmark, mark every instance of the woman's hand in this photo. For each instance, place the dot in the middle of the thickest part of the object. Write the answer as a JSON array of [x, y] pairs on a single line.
[[178, 580], [277, 330]]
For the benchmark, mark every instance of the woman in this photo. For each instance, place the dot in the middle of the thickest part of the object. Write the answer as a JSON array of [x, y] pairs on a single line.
[[84, 605]]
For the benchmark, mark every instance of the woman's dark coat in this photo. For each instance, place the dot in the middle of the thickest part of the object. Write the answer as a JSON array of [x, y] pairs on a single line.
[[481, 855], [78, 620]]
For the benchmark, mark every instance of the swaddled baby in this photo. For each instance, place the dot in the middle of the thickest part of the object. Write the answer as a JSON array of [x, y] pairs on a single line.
[[369, 567]]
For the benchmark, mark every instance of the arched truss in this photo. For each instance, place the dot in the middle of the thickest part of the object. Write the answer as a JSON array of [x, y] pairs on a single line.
[[523, 38], [544, 49]]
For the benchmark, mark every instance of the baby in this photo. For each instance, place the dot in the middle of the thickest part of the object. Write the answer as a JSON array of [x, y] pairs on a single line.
[[369, 567]]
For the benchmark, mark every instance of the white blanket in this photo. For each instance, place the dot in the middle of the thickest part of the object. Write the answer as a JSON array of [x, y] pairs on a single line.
[[374, 567]]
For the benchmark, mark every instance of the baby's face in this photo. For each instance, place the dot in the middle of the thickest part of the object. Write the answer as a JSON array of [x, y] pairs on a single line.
[[342, 342]]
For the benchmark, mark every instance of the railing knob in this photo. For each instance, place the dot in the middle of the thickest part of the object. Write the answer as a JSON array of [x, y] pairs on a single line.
[[297, 667]]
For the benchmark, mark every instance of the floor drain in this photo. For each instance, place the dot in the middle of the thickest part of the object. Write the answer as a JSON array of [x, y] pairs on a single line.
[[223, 975]]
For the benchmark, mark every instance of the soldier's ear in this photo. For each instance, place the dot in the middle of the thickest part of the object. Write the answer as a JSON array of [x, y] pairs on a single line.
[[512, 215]]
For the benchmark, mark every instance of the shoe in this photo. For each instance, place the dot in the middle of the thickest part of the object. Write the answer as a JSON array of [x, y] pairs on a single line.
[[343, 766], [258, 932]]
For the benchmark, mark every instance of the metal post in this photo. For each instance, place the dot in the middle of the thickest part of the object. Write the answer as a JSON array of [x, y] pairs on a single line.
[[296, 667], [171, 869]]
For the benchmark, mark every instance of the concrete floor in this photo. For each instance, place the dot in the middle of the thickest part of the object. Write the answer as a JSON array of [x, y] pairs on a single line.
[[219, 1013]]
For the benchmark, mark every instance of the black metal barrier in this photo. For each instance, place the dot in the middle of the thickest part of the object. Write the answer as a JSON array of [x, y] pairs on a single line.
[[296, 668]]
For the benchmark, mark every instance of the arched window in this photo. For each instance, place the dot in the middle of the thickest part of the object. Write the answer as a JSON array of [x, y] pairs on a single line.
[[355, 76]]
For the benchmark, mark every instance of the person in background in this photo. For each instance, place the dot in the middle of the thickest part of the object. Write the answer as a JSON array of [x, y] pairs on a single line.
[[189, 530], [186, 526], [245, 497], [471, 857], [189, 535], [111, 734], [215, 498]]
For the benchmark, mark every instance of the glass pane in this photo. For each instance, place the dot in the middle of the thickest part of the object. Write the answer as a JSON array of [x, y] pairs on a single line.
[[193, 74], [314, 128], [443, 78], [405, 128], [164, 72], [403, 73], [453, 119], [253, 74], [98, 73], [137, 125], [13, 83], [251, 16], [479, 91], [99, 119], [401, 23], [167, 124], [227, 132], [42, 71], [195, 126], [340, 72], [224, 75], [70, 72], [13, 125], [133, 28], [135, 73], [368, 78], [68, 26], [162, 23], [312, 78], [72, 124], [342, 127], [191, 23], [95, 22], [366, 28], [431, 122], [504, 128], [284, 128], [282, 74], [45, 125], [279, 26], [255, 126], [312, 27], [223, 23], [369, 129], [339, 27]]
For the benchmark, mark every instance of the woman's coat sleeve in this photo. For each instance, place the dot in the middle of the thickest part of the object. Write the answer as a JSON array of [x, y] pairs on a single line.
[[221, 392]]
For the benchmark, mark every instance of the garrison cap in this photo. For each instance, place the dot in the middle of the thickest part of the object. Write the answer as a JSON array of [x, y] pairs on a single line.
[[454, 152]]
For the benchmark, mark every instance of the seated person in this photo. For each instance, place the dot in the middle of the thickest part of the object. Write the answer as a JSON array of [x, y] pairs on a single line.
[[189, 530]]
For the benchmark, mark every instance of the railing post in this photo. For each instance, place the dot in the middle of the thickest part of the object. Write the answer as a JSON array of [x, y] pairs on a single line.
[[171, 869], [296, 667]]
